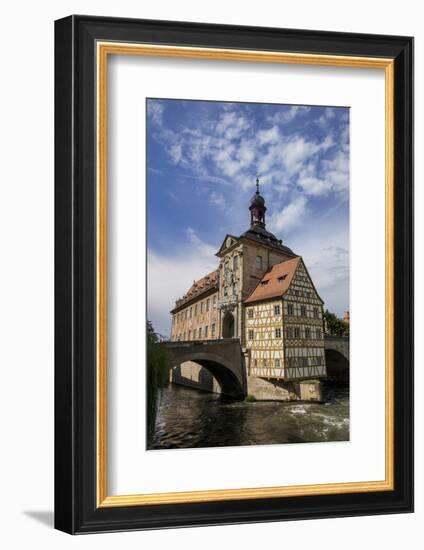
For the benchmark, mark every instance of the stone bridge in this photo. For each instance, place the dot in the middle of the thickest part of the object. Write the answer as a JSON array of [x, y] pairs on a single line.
[[337, 358], [224, 369], [222, 358]]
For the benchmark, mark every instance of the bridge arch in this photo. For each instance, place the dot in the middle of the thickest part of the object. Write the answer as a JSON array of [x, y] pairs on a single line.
[[222, 360], [337, 358], [337, 366]]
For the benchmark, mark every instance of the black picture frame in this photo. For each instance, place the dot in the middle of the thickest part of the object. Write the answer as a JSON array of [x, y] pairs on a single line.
[[76, 510]]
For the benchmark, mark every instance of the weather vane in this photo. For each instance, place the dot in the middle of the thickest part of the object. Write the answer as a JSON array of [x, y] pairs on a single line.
[[257, 183]]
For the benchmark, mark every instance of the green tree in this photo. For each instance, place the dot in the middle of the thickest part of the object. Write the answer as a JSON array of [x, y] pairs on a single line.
[[157, 376], [334, 325]]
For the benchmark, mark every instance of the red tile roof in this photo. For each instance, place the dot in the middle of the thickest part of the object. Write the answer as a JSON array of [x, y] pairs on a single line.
[[275, 282], [199, 287]]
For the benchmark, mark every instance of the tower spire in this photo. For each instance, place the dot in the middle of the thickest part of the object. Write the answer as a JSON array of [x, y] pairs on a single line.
[[257, 208]]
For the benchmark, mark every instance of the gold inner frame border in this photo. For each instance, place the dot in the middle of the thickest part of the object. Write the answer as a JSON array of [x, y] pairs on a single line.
[[103, 50]]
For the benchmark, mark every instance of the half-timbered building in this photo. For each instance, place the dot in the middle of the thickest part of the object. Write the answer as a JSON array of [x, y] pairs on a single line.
[[284, 324]]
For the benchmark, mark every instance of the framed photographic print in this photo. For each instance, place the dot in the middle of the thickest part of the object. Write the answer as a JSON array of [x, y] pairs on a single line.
[[234, 274]]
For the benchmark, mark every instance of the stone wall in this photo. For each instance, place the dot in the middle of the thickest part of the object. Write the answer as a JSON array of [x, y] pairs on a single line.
[[277, 390], [270, 390], [193, 375]]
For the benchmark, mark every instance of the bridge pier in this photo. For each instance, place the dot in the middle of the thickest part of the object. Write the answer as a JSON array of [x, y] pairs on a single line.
[[273, 389]]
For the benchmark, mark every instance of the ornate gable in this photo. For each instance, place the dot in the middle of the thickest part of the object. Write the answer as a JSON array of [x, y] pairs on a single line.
[[228, 242]]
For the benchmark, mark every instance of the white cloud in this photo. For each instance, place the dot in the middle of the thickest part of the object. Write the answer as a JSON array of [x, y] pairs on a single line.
[[290, 216], [293, 154], [272, 135], [217, 199], [197, 245], [155, 170], [207, 178], [287, 115], [333, 177], [312, 185], [337, 171], [176, 152], [170, 275], [296, 152], [246, 152], [326, 255], [231, 125], [155, 112], [329, 268]]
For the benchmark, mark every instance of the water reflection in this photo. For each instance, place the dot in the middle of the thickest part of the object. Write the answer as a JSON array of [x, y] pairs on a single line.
[[189, 418]]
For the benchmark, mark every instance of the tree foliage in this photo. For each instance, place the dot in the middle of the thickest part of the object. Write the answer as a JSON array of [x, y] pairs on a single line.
[[334, 325], [157, 375]]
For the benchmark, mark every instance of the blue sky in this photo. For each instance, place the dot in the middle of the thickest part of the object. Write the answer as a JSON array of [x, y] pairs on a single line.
[[202, 161]]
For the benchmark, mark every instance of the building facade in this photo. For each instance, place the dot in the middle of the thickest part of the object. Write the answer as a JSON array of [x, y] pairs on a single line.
[[195, 316], [262, 294]]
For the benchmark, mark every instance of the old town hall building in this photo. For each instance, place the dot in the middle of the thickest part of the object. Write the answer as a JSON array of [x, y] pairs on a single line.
[[262, 294]]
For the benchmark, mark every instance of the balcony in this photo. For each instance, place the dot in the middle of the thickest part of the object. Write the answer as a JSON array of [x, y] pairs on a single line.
[[227, 303]]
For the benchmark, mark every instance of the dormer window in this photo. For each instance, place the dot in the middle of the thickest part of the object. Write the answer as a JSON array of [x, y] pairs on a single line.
[[264, 283], [281, 278]]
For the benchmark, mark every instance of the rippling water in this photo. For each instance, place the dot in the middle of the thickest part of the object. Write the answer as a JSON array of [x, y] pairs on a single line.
[[189, 418]]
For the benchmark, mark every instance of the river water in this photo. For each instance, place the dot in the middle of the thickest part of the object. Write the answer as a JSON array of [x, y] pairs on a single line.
[[190, 418]]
